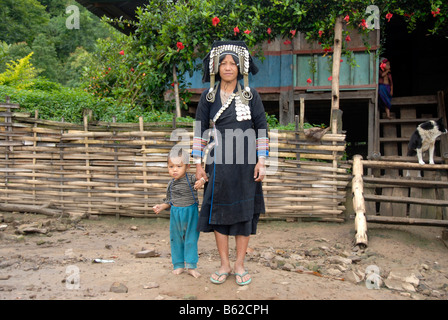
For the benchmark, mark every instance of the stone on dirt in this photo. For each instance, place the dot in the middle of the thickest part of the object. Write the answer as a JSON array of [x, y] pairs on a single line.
[[147, 254], [118, 287]]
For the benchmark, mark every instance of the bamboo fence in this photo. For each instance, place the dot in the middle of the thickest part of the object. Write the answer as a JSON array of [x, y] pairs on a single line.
[[120, 169]]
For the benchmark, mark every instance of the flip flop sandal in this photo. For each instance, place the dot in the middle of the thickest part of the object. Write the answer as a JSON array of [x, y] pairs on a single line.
[[219, 276], [241, 277]]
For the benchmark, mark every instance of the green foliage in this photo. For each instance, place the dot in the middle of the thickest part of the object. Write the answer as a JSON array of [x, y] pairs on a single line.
[[21, 20], [56, 102], [135, 83], [118, 71], [18, 72], [195, 24], [40, 27]]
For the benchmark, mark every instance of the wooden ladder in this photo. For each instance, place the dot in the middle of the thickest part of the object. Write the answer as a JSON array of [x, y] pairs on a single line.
[[389, 199]]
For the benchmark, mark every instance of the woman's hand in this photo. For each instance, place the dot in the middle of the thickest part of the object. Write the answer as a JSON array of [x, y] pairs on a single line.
[[260, 170], [200, 173], [199, 184]]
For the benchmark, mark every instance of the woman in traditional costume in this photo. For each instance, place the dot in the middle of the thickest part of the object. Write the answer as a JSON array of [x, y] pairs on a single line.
[[234, 119]]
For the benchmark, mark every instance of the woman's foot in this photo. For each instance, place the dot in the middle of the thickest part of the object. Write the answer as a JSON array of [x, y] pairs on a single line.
[[242, 276], [220, 276], [243, 279]]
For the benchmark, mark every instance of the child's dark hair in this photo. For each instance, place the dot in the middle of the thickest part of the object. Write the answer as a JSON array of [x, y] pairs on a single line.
[[177, 153]]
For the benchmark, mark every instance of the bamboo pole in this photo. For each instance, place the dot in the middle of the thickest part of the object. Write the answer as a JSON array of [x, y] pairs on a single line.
[[89, 195], [176, 92], [358, 202], [144, 161], [36, 116], [337, 49], [402, 165]]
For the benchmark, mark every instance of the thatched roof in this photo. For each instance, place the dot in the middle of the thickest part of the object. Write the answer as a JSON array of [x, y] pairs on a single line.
[[114, 9]]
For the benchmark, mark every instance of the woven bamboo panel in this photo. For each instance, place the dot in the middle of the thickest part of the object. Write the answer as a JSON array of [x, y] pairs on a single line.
[[120, 169]]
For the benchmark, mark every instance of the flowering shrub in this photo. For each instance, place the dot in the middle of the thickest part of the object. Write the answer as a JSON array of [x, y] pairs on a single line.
[[175, 37]]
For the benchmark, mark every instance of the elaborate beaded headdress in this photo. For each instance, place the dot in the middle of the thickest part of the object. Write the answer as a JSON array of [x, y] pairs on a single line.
[[211, 66]]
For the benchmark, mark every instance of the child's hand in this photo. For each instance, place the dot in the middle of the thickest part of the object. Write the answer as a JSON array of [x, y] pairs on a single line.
[[199, 184], [157, 208]]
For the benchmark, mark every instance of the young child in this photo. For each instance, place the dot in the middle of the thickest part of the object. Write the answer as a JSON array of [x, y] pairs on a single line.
[[385, 87], [182, 198]]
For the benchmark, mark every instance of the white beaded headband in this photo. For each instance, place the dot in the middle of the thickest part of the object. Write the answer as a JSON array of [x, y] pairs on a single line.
[[243, 55]]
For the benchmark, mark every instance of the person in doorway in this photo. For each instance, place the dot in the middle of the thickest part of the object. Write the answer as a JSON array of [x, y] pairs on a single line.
[[181, 199], [385, 87], [235, 166]]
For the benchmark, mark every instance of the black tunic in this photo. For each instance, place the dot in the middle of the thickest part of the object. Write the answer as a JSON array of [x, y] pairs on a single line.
[[231, 195]]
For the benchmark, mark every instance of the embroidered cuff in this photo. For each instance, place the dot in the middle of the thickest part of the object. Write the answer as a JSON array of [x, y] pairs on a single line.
[[198, 147], [263, 147]]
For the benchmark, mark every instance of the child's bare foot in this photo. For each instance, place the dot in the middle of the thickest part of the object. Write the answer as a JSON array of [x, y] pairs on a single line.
[[178, 271], [193, 273]]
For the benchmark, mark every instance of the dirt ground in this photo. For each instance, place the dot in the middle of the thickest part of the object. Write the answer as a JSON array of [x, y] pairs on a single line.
[[44, 258]]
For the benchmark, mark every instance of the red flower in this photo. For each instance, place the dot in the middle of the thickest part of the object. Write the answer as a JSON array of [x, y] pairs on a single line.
[[320, 33], [347, 38], [363, 24], [247, 31], [215, 21], [180, 46], [389, 16], [434, 13], [287, 42], [122, 52], [236, 30], [309, 80], [293, 32], [330, 78], [382, 66], [269, 31], [347, 18]]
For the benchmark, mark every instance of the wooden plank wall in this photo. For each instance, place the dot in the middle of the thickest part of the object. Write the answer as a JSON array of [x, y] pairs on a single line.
[[120, 169]]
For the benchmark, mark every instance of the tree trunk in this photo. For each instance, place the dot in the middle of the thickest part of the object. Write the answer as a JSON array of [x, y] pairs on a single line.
[[358, 202], [335, 72], [176, 92]]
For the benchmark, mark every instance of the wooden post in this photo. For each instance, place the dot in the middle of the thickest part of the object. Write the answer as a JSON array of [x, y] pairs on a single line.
[[88, 175], [302, 113], [117, 175], [36, 116], [176, 92], [335, 72], [144, 164], [358, 202], [62, 175]]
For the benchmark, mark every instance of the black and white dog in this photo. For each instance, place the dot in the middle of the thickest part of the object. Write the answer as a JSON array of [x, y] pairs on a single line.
[[424, 138]]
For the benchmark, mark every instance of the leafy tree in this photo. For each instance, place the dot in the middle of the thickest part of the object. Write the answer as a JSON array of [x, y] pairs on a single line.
[[45, 57], [18, 72], [178, 34], [21, 20]]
